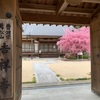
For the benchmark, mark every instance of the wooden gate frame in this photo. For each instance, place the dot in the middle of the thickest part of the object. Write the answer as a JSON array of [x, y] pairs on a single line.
[[10, 11]]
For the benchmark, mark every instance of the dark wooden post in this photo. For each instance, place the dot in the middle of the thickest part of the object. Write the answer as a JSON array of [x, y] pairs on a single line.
[[95, 54], [10, 50]]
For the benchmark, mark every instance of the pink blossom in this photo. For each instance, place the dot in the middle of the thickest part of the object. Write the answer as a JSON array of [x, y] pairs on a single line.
[[75, 41]]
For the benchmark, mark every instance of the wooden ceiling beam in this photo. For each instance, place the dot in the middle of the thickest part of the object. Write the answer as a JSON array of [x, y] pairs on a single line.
[[79, 1], [62, 6], [91, 1], [81, 11], [96, 12], [54, 19], [36, 7], [47, 8]]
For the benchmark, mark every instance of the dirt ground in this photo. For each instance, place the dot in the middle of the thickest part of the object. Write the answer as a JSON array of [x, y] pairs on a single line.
[[71, 69], [27, 69], [66, 69]]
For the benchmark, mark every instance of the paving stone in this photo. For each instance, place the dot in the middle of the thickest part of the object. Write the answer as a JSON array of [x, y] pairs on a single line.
[[73, 92], [44, 74]]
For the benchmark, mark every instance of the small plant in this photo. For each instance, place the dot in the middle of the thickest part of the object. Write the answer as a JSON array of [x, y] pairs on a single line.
[[82, 79], [58, 75], [62, 79], [70, 79], [33, 81]]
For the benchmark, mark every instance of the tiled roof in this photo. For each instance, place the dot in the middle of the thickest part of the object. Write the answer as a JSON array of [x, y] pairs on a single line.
[[47, 30]]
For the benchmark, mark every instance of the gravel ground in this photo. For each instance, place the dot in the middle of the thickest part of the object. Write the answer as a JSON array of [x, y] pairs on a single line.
[[66, 69]]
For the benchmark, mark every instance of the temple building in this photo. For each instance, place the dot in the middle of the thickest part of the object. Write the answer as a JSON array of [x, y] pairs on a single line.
[[40, 40]]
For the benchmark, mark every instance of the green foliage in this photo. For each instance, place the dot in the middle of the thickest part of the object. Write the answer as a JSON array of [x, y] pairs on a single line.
[[74, 57], [83, 78], [62, 79], [85, 56], [33, 81], [58, 75], [74, 79]]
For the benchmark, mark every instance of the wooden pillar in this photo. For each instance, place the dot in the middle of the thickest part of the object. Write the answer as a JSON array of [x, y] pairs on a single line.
[[34, 46], [48, 46], [31, 47], [38, 48], [95, 54], [10, 50]]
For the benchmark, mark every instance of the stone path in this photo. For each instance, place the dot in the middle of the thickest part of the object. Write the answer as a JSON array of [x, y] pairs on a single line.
[[43, 74], [72, 92]]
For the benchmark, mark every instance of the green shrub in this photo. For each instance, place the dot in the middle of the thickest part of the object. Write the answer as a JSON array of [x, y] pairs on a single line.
[[85, 56]]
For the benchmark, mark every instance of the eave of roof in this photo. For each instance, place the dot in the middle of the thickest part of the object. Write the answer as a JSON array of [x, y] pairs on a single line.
[[44, 30]]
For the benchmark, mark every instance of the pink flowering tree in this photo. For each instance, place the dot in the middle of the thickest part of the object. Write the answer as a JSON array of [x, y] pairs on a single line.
[[73, 42]]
